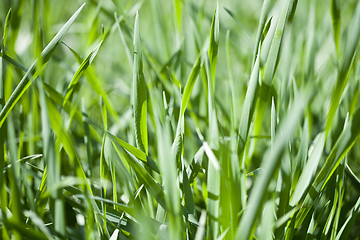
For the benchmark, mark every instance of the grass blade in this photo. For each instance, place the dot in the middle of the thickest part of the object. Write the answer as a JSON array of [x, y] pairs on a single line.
[[32, 73], [84, 65], [341, 147], [139, 93], [286, 130], [345, 64]]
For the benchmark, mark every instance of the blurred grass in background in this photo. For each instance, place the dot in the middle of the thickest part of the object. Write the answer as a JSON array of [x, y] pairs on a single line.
[[179, 119]]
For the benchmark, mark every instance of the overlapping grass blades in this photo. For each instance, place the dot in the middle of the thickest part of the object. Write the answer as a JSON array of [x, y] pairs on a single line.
[[33, 72], [155, 122]]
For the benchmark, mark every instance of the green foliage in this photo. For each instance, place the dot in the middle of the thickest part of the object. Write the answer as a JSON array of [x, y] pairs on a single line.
[[179, 119]]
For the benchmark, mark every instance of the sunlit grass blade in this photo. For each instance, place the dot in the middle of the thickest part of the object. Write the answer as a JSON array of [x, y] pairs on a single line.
[[136, 152], [178, 14], [32, 73], [84, 65], [152, 185]]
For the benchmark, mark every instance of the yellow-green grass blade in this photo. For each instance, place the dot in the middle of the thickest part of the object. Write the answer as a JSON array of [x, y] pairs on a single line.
[[32, 73], [338, 152], [139, 93], [144, 177], [178, 16], [79, 72], [136, 152], [94, 80], [58, 97]]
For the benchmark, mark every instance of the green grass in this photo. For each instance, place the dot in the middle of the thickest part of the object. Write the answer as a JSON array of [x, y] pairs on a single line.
[[131, 119]]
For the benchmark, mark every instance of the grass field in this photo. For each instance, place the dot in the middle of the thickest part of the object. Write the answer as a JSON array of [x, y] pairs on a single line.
[[183, 119]]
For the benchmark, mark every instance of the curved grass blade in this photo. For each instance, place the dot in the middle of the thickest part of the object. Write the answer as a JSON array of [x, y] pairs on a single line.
[[84, 65], [139, 93], [151, 184], [176, 146], [32, 72], [136, 152]]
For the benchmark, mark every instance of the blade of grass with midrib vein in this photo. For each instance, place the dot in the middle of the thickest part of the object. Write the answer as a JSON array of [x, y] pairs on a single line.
[[139, 93], [32, 73]]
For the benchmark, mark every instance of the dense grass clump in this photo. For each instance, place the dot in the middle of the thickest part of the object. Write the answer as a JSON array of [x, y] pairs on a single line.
[[132, 119]]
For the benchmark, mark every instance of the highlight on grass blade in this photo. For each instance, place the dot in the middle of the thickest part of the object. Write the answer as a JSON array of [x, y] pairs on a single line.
[[32, 73]]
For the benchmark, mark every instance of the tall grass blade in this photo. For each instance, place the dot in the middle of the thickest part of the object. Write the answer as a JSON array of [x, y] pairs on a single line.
[[32, 73], [139, 93], [286, 131], [344, 67]]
